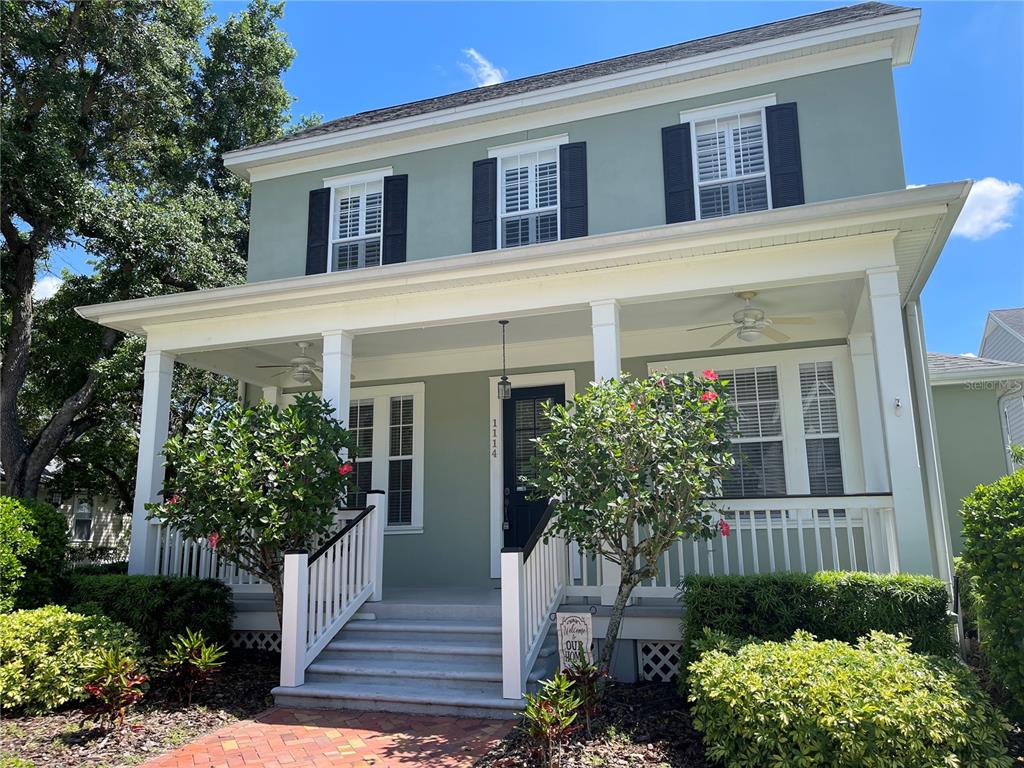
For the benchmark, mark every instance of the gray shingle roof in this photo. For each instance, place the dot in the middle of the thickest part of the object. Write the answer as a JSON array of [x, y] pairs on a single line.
[[939, 363], [1011, 318], [690, 49]]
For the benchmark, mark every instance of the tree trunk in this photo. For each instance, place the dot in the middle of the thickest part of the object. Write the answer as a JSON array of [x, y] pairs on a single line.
[[614, 622], [278, 590]]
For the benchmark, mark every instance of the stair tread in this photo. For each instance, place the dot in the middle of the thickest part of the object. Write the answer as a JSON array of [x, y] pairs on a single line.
[[424, 625], [414, 645], [415, 669], [399, 693]]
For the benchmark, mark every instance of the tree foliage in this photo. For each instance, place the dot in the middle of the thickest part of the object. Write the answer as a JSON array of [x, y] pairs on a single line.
[[114, 117], [257, 481], [635, 454]]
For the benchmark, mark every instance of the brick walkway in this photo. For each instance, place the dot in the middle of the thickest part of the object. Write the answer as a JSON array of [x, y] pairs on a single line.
[[294, 738]]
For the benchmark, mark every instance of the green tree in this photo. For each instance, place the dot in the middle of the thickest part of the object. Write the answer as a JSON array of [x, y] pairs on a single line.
[[114, 116], [635, 454], [257, 481]]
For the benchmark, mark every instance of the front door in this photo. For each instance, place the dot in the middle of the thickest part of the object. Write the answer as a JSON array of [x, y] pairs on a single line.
[[522, 420]]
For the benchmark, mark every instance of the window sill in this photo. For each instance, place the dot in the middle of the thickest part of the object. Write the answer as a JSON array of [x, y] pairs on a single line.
[[404, 529]]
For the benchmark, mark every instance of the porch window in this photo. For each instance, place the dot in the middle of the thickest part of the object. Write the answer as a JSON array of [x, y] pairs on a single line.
[[821, 429], [357, 214], [82, 530], [528, 193], [360, 423], [731, 165], [400, 456], [760, 468]]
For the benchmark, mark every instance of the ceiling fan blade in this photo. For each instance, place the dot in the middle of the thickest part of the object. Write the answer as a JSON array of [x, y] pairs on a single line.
[[793, 320], [715, 325], [282, 373], [296, 390], [273, 366], [316, 381], [724, 338], [773, 334]]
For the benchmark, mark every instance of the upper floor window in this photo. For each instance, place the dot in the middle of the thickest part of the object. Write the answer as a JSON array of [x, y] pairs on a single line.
[[357, 215], [528, 192]]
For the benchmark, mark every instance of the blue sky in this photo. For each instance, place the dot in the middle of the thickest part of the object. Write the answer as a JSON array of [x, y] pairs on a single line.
[[961, 101]]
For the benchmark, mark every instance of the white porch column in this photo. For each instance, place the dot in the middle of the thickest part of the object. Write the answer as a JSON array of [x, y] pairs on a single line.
[[149, 473], [604, 319], [513, 642], [338, 372], [294, 618], [869, 416], [913, 543], [380, 519], [271, 395]]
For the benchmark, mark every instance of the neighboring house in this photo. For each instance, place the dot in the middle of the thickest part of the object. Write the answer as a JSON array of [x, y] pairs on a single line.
[[751, 181], [979, 410]]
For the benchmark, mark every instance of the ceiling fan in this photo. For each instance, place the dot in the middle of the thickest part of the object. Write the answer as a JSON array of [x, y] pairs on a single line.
[[302, 368], [751, 323]]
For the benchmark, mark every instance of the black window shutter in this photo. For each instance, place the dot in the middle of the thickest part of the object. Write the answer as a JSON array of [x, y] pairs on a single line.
[[572, 183], [677, 160], [485, 204], [396, 216], [317, 231], [784, 155]]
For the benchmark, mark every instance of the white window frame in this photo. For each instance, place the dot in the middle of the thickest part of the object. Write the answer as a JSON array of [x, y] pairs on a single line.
[[794, 444], [74, 517], [335, 183], [729, 109], [506, 151], [381, 396]]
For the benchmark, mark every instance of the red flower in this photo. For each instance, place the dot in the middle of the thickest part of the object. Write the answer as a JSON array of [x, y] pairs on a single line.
[[632, 406], [723, 527], [708, 396], [213, 539], [345, 469], [173, 499], [661, 382], [710, 375]]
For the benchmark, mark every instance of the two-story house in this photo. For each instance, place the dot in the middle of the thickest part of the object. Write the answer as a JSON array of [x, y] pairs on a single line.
[[736, 202]]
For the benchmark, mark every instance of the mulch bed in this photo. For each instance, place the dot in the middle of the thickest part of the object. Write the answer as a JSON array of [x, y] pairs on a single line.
[[157, 724], [647, 724]]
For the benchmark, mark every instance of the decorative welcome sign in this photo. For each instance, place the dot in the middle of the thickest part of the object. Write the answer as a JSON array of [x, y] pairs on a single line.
[[575, 635]]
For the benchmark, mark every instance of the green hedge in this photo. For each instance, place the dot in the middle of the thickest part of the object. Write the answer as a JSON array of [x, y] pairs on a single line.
[[156, 607], [34, 581], [47, 654], [834, 605], [993, 552], [873, 705]]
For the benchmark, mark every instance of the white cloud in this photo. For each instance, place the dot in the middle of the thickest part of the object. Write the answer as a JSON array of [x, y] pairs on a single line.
[[46, 286], [480, 69], [916, 186], [967, 354], [989, 208]]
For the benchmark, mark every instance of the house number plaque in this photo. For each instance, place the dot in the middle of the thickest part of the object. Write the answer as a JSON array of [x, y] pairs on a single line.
[[575, 635]]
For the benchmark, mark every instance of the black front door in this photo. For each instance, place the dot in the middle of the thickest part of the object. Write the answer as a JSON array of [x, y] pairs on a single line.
[[522, 420]]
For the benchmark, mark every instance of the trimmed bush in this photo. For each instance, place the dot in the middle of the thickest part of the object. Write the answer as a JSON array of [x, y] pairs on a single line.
[[808, 703], [99, 569], [17, 542], [835, 605], [47, 655], [994, 555], [158, 608], [41, 563]]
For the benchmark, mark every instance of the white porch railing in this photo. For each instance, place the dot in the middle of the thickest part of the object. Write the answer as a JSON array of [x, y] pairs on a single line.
[[176, 555], [323, 591], [533, 581]]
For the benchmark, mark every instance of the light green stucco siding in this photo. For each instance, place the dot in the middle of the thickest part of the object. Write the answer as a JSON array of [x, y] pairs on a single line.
[[849, 142], [970, 441]]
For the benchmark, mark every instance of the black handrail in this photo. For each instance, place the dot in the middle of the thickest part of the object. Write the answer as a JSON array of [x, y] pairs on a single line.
[[334, 539], [538, 531]]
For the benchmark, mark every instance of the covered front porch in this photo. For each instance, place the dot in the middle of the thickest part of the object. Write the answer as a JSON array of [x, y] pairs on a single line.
[[835, 417]]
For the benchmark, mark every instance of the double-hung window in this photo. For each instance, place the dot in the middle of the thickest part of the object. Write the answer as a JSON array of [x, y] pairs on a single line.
[[528, 192], [387, 423], [357, 217], [760, 468], [821, 428], [730, 151], [83, 520]]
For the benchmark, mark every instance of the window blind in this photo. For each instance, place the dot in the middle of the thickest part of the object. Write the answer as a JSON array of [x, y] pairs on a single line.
[[821, 428], [529, 198], [731, 171], [760, 468], [360, 423], [400, 453]]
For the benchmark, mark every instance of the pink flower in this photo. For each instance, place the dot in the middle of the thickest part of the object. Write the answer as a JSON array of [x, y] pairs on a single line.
[[661, 382], [213, 539], [173, 499], [723, 527], [710, 375], [345, 469], [632, 406], [708, 396]]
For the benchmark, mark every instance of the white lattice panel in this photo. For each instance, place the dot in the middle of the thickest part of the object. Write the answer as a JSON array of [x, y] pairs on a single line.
[[657, 660], [256, 639]]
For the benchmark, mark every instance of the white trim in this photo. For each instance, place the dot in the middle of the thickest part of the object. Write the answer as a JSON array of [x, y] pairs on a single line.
[[381, 396], [360, 177], [495, 434], [992, 373], [787, 363], [525, 147], [534, 146], [729, 107], [896, 33]]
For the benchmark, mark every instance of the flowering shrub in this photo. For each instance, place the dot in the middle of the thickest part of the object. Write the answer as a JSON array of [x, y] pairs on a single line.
[[635, 454], [191, 663], [258, 480], [870, 705], [117, 684]]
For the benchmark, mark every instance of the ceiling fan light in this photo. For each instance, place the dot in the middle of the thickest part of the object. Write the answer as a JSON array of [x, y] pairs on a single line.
[[302, 375], [748, 334]]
